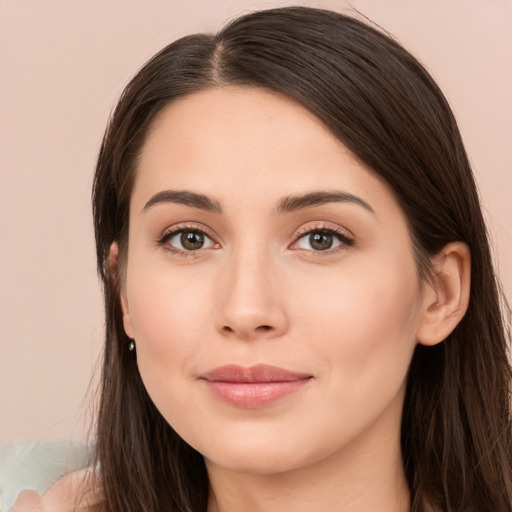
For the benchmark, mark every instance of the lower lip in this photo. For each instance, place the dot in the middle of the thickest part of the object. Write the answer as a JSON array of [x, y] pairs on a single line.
[[253, 395]]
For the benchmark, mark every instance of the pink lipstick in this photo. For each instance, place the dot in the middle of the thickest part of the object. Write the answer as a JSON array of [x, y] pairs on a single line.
[[255, 386]]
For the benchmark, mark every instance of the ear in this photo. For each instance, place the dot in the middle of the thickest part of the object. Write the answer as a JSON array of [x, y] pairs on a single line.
[[446, 295], [113, 263]]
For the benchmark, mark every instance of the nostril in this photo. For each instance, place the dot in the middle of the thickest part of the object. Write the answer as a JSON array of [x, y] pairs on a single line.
[[248, 331]]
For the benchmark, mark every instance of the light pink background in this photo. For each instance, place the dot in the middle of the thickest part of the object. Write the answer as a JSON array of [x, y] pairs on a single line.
[[64, 63]]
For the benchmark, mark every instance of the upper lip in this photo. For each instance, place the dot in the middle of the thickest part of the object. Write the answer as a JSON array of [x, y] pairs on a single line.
[[256, 373]]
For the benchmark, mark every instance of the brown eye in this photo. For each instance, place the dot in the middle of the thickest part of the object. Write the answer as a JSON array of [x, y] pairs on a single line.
[[187, 240], [321, 241], [324, 239], [192, 240]]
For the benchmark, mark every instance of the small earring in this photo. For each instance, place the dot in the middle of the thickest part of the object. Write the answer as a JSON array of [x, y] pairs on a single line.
[[131, 346]]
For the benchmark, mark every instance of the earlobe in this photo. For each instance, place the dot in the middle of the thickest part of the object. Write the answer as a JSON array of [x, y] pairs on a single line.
[[446, 295], [113, 262]]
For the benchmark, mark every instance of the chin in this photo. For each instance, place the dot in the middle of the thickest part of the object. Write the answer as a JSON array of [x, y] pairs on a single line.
[[256, 460], [264, 452]]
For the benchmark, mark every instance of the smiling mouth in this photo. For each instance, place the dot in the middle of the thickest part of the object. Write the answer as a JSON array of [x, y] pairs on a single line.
[[255, 386]]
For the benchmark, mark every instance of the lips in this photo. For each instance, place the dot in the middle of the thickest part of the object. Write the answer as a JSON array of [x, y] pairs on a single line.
[[255, 386]]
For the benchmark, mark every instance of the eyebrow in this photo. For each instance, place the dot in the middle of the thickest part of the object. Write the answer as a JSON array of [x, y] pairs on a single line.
[[294, 203], [185, 197], [286, 204]]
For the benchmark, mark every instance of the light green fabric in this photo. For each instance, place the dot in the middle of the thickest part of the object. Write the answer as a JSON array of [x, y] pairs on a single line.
[[36, 466]]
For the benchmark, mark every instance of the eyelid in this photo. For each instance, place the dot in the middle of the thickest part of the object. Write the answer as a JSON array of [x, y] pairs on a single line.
[[344, 235], [319, 225], [173, 230]]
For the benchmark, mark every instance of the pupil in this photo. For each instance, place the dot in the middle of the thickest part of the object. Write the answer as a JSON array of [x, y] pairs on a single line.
[[320, 241], [192, 240]]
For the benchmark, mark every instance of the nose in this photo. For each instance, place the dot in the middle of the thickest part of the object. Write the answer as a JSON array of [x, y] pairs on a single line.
[[251, 299]]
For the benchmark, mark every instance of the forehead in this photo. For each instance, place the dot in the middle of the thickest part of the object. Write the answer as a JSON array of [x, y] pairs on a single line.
[[233, 121], [239, 143]]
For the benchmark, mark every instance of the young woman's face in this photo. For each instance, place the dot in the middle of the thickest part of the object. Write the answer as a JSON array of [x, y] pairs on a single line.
[[270, 285]]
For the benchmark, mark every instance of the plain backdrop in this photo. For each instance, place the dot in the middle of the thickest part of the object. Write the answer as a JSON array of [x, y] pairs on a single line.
[[63, 63]]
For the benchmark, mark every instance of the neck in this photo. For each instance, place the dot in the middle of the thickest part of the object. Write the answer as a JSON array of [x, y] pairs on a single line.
[[366, 475]]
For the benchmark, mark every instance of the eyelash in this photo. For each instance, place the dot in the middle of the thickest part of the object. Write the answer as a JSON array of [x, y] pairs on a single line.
[[176, 230], [345, 240]]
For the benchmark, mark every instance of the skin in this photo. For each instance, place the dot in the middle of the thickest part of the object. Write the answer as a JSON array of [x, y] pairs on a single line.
[[62, 496], [258, 291]]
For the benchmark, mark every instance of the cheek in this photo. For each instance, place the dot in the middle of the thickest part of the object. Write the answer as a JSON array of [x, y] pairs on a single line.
[[168, 313], [365, 320]]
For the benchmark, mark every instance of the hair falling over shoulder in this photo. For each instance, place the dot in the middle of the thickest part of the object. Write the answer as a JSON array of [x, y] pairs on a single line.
[[376, 98]]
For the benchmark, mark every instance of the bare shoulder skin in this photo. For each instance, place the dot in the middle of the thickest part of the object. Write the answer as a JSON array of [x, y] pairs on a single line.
[[72, 493]]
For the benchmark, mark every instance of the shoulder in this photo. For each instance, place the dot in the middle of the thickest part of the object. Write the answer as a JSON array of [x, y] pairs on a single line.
[[74, 492]]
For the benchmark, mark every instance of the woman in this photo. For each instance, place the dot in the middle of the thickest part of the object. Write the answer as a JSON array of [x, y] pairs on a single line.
[[287, 231]]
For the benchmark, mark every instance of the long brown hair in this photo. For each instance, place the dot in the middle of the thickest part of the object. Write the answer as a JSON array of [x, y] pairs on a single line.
[[382, 104]]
